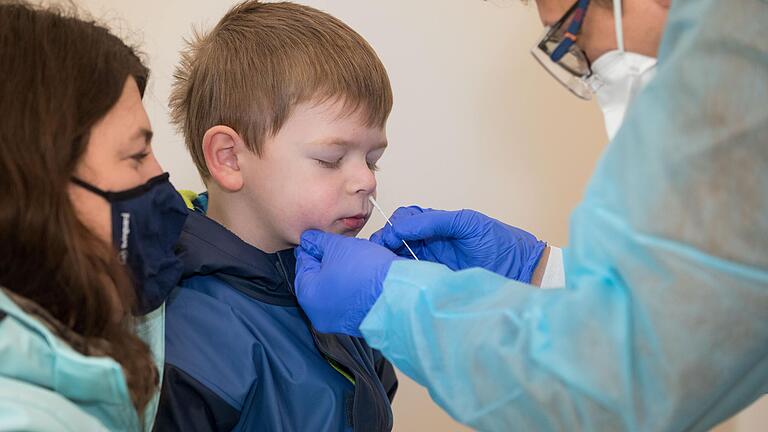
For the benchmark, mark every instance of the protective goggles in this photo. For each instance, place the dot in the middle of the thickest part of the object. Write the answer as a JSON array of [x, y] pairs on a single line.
[[558, 53]]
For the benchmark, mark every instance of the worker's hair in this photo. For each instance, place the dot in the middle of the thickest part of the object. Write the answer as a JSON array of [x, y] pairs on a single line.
[[60, 76], [260, 61]]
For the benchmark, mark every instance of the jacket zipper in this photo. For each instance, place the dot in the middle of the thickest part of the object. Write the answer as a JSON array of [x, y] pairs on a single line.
[[358, 372]]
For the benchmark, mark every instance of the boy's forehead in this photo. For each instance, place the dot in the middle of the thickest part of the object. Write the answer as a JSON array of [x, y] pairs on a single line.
[[333, 123], [337, 107]]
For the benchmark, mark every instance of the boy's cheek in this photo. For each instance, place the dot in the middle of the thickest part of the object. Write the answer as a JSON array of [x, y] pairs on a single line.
[[311, 220]]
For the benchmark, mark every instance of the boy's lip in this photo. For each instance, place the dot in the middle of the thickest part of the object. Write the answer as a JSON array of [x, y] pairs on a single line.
[[355, 222]]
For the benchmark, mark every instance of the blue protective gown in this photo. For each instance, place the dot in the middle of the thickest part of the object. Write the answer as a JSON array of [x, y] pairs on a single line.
[[663, 324]]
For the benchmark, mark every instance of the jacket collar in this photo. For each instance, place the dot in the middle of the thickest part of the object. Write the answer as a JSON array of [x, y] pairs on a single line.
[[208, 248]]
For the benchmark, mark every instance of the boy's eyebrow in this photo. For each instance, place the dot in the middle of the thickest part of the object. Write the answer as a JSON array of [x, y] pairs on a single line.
[[344, 143]]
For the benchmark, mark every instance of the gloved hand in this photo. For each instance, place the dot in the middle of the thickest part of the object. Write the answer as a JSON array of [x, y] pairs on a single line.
[[462, 239], [338, 279]]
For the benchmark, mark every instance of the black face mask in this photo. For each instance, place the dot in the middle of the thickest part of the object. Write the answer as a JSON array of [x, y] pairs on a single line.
[[146, 224]]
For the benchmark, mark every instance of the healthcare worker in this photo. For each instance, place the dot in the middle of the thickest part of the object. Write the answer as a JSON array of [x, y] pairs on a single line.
[[662, 322]]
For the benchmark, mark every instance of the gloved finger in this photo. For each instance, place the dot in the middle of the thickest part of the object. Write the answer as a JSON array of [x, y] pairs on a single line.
[[377, 237], [404, 212], [307, 268], [381, 237], [398, 214], [388, 238], [314, 242], [397, 246], [425, 226]]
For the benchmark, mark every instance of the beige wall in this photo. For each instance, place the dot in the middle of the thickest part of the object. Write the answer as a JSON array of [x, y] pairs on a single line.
[[476, 122]]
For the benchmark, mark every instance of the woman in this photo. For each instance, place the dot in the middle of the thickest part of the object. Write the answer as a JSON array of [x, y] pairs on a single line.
[[78, 181]]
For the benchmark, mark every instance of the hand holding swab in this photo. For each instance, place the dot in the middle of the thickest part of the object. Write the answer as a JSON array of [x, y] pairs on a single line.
[[376, 206]]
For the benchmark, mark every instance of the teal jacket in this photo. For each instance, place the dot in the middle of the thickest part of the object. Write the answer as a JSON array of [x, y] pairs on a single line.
[[46, 385]]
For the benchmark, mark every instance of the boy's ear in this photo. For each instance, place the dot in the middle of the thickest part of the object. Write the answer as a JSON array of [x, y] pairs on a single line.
[[221, 145]]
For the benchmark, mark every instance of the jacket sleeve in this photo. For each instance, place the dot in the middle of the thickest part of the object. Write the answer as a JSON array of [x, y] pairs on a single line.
[[386, 374], [28, 408], [188, 405], [209, 365], [662, 324]]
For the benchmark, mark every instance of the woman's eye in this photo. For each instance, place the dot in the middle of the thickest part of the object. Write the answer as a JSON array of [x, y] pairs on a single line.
[[372, 166], [330, 165], [138, 157]]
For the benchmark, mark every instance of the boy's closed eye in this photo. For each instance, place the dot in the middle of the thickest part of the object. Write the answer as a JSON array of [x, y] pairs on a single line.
[[329, 164], [333, 154], [335, 164]]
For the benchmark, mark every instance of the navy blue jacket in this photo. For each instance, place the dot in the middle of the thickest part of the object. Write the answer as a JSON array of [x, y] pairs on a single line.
[[241, 354]]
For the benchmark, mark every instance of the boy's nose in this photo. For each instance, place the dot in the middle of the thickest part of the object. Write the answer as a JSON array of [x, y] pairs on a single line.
[[363, 180]]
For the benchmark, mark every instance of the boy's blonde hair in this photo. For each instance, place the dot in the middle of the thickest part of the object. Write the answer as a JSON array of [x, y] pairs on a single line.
[[260, 61]]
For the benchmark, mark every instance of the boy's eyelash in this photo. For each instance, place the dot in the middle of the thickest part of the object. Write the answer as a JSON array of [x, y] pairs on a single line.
[[335, 164], [331, 165]]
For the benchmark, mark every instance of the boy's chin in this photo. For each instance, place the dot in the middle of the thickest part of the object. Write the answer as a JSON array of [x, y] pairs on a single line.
[[346, 232], [333, 230]]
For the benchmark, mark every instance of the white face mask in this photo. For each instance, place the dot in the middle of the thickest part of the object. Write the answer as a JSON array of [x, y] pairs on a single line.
[[618, 76]]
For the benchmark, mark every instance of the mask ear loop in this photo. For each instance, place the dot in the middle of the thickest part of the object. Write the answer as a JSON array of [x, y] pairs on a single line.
[[89, 187], [618, 24]]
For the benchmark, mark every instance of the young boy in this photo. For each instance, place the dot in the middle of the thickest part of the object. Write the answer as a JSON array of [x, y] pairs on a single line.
[[283, 109]]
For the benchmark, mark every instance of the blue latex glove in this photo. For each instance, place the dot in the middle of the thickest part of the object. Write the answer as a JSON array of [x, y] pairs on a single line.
[[462, 239], [338, 279]]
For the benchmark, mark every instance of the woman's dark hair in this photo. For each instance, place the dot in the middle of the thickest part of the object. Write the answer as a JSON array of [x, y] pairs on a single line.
[[59, 76]]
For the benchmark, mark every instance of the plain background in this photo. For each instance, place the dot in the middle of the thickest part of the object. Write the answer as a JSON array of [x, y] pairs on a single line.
[[476, 122]]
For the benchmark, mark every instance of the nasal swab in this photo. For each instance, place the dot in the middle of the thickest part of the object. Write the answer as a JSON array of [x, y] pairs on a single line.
[[376, 205]]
